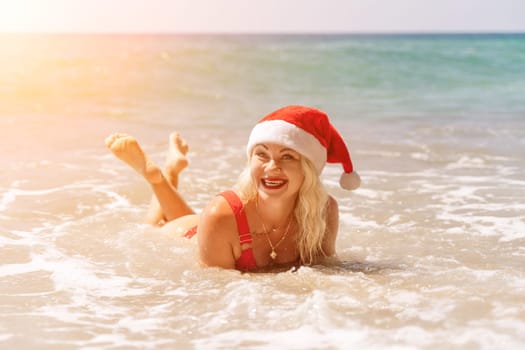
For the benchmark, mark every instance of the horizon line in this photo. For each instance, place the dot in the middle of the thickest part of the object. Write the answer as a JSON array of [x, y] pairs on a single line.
[[370, 32]]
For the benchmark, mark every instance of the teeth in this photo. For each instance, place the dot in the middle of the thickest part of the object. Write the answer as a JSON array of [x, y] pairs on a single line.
[[273, 183]]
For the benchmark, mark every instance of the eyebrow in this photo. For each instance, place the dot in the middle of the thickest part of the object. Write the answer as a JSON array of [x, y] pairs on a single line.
[[286, 149]]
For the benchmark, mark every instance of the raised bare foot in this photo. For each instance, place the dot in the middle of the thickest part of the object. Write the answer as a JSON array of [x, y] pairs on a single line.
[[127, 149], [176, 159]]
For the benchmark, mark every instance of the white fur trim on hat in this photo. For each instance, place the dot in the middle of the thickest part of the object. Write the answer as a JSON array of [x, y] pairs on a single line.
[[288, 135]]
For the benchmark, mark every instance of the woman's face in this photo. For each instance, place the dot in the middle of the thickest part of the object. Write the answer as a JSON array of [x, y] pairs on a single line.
[[276, 170]]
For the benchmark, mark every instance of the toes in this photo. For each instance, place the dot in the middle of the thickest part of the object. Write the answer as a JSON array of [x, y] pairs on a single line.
[[179, 142], [183, 146], [110, 140]]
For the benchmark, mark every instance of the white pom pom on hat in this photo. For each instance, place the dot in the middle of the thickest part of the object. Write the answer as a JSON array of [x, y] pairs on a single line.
[[309, 132]]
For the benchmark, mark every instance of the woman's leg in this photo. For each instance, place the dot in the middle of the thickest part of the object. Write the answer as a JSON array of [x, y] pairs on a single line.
[[175, 162], [170, 205]]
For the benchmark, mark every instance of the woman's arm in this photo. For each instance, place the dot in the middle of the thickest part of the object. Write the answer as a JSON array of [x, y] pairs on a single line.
[[332, 227], [217, 234]]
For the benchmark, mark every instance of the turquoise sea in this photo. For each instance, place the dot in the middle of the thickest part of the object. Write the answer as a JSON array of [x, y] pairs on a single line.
[[431, 248]]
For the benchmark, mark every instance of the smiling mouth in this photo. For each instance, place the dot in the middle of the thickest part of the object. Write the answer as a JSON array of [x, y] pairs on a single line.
[[273, 183]]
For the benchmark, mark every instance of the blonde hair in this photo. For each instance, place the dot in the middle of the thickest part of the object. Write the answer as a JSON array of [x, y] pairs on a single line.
[[309, 212]]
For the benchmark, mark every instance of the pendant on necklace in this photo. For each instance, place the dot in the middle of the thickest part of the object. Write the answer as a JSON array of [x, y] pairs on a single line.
[[273, 254]]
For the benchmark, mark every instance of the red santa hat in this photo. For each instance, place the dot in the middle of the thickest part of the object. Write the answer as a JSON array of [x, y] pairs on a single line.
[[309, 132]]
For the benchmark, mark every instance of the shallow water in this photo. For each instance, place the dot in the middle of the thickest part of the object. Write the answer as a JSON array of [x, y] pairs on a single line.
[[431, 250]]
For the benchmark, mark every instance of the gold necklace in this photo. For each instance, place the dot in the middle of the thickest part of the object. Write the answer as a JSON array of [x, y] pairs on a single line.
[[273, 253]]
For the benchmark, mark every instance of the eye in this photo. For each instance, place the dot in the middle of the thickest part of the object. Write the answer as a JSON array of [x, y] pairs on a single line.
[[260, 154], [288, 156]]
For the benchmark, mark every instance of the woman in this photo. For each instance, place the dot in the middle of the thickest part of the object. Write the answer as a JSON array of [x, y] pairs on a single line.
[[279, 213]]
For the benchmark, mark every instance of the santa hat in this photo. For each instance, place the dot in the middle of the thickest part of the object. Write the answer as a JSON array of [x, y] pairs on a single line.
[[309, 132]]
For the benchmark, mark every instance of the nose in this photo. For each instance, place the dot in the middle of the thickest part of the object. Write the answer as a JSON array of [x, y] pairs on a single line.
[[273, 164]]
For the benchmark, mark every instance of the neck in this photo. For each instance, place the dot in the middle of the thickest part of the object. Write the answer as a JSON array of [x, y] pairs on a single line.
[[274, 212]]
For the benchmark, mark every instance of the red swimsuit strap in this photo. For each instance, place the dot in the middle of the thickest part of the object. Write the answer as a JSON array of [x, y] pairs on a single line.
[[246, 260], [240, 216]]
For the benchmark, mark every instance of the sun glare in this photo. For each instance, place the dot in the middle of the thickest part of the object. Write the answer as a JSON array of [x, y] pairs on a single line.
[[23, 16]]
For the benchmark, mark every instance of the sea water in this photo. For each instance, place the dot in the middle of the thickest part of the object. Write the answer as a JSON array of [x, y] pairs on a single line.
[[431, 248]]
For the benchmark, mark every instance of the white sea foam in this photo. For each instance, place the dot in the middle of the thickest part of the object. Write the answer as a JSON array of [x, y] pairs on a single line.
[[304, 337], [507, 228], [414, 335], [467, 162], [5, 336], [420, 156], [8, 197]]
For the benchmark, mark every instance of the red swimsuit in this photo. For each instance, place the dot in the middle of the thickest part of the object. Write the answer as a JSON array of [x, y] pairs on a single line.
[[246, 261]]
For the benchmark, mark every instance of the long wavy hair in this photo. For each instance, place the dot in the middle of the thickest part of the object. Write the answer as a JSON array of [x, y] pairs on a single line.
[[309, 212]]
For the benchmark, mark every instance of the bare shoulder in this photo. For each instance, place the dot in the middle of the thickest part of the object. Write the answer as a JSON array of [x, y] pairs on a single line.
[[332, 226], [218, 210], [217, 234], [332, 208]]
